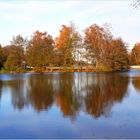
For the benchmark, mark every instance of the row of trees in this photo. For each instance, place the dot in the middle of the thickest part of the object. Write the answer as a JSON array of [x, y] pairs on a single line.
[[96, 48]]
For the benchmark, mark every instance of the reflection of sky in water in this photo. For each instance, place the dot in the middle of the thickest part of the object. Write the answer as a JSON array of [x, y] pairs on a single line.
[[131, 73], [67, 113], [8, 77]]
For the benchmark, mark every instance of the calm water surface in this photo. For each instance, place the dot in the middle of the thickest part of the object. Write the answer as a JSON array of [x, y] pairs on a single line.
[[70, 105]]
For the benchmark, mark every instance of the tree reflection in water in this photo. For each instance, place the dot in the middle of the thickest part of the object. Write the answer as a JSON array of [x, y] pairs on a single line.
[[18, 96], [41, 91], [66, 98], [71, 92], [136, 83], [0, 88], [107, 90]]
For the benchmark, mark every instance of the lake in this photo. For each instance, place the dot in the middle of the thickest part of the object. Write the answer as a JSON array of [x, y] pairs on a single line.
[[70, 105]]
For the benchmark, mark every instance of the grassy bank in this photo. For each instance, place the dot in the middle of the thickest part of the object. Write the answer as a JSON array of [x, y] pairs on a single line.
[[59, 69]]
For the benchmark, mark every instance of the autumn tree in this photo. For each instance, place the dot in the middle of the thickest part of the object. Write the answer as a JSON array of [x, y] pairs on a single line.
[[15, 54], [6, 51], [96, 39], [135, 55], [108, 53], [40, 49], [19, 41], [15, 58], [116, 55], [4, 54], [66, 44], [1, 57]]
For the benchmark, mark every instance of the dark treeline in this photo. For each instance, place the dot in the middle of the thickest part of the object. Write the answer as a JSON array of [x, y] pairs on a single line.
[[96, 48]]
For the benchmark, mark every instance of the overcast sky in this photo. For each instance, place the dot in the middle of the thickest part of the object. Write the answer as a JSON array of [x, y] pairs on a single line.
[[26, 16]]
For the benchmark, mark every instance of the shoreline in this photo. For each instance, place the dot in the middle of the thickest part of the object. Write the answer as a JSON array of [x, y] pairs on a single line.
[[64, 71], [68, 70], [135, 67]]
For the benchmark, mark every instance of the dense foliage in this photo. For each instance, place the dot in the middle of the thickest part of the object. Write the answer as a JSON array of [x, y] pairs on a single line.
[[135, 55], [66, 44], [109, 53], [39, 50], [97, 48]]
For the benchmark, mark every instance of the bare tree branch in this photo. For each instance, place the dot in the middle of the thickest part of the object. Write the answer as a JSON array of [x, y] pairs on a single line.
[[136, 4]]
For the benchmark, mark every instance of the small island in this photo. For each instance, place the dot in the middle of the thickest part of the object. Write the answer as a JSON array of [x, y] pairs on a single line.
[[97, 51]]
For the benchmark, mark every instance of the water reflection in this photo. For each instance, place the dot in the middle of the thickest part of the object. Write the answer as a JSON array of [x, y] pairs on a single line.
[[71, 92], [66, 98], [0, 88], [136, 82], [107, 91], [16, 89], [41, 92]]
